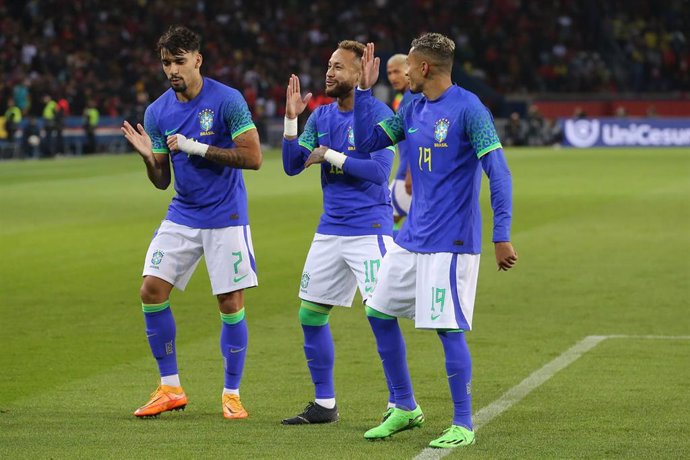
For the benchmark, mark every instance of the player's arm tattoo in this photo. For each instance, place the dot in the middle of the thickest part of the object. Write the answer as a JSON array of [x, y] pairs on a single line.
[[245, 155]]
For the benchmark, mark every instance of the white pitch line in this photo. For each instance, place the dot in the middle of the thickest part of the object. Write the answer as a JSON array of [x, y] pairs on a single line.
[[535, 379]]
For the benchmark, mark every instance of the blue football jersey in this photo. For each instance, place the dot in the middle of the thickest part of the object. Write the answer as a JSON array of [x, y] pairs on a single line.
[[352, 206], [446, 138], [209, 195]]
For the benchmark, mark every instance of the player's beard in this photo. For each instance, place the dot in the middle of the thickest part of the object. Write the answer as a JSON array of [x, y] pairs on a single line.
[[180, 87], [414, 88], [339, 90]]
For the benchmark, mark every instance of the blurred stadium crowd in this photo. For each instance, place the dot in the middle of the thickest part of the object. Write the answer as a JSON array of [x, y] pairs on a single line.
[[86, 53]]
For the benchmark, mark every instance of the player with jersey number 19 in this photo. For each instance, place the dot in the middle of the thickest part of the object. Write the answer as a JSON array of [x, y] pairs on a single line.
[[205, 129], [431, 276]]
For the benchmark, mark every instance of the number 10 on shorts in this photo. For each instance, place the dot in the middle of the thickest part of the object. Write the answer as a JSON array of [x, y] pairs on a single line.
[[438, 299], [371, 268]]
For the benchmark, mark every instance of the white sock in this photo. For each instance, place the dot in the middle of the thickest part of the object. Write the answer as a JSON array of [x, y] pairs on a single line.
[[327, 403], [390, 404], [231, 391], [171, 380]]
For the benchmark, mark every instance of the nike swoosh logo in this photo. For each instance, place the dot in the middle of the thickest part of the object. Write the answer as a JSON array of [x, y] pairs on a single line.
[[150, 335], [171, 132], [322, 134], [451, 376], [238, 350], [237, 279], [412, 130], [435, 317], [310, 360]]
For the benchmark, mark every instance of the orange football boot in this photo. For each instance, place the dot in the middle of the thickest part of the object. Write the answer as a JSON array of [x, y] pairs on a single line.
[[232, 407], [165, 398]]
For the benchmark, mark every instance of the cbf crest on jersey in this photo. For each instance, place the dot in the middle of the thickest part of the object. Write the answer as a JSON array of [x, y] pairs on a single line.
[[350, 138], [441, 132], [206, 122]]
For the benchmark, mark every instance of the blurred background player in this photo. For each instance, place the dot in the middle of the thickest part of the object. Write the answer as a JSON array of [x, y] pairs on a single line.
[[90, 120], [401, 186], [13, 117], [355, 228], [207, 216], [430, 275]]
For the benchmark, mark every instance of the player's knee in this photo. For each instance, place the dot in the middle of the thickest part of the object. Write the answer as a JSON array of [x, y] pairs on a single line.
[[314, 314], [152, 295], [231, 302], [377, 314]]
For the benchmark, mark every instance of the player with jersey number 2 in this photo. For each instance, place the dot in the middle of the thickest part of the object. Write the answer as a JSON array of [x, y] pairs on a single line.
[[431, 274], [205, 129]]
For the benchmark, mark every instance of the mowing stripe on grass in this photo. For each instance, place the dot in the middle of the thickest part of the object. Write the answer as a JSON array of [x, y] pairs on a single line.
[[535, 379]]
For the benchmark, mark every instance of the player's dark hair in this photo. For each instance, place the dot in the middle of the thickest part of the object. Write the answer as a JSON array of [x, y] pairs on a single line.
[[354, 46], [179, 40], [439, 48]]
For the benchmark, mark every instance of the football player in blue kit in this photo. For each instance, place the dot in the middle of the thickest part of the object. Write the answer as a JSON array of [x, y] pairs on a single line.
[[430, 275], [204, 128], [354, 231]]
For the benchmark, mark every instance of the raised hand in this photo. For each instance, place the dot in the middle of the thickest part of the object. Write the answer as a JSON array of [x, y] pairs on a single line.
[[138, 138], [370, 68], [294, 102]]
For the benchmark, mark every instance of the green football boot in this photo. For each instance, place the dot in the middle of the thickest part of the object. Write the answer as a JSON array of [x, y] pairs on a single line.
[[387, 414], [399, 420], [455, 436]]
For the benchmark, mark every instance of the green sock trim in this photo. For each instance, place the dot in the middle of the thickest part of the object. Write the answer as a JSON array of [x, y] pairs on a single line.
[[313, 314], [377, 314], [450, 330], [232, 318], [155, 307], [316, 307]]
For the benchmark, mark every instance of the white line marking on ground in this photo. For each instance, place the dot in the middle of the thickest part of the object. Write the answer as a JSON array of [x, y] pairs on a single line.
[[522, 389]]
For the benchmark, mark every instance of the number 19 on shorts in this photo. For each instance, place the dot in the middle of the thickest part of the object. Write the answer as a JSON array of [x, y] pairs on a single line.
[[438, 301]]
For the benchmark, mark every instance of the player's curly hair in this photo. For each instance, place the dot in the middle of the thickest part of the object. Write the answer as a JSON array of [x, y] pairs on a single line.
[[354, 46], [179, 40], [436, 46]]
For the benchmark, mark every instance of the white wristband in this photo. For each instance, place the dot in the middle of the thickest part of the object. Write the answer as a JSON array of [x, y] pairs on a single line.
[[335, 158], [290, 126], [190, 146]]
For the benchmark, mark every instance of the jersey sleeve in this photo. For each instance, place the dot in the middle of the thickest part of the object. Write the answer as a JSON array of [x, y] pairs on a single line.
[[158, 144], [368, 139], [237, 116], [394, 127], [479, 127], [309, 137], [501, 186]]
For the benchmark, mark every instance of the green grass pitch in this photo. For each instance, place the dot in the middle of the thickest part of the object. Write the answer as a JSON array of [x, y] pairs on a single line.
[[604, 243]]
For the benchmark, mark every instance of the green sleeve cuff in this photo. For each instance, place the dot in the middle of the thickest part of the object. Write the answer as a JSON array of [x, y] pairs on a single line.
[[306, 146], [390, 134], [488, 149], [243, 130]]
